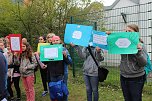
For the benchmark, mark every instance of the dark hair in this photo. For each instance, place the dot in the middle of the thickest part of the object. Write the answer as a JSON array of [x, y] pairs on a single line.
[[43, 37], [133, 27]]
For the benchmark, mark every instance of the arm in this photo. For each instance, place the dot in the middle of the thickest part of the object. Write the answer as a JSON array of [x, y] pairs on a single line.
[[82, 52], [141, 58], [42, 65], [33, 63], [67, 57], [99, 54]]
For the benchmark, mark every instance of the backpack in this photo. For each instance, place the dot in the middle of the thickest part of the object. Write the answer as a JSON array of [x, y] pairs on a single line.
[[148, 67], [37, 66], [58, 90]]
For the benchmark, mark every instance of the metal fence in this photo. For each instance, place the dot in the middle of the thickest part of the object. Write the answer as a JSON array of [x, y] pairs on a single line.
[[116, 20]]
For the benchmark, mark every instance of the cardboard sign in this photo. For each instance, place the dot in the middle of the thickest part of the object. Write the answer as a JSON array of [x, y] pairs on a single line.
[[77, 34], [123, 42], [51, 52], [15, 42], [99, 39]]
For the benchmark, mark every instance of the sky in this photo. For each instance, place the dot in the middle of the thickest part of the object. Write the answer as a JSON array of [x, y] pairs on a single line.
[[106, 2]]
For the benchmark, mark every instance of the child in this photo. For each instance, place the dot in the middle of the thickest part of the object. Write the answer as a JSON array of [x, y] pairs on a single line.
[[43, 69], [27, 65], [13, 73], [56, 68], [132, 74]]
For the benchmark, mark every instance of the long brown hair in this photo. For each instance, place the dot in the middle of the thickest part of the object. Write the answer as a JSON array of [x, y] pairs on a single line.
[[28, 52], [134, 27]]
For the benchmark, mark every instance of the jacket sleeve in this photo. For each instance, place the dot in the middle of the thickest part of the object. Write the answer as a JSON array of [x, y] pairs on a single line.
[[141, 57], [99, 55], [82, 52], [68, 59]]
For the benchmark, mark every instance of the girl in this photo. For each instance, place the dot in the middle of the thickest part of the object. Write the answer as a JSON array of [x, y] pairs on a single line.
[[56, 68], [13, 73], [43, 69], [27, 65], [132, 74]]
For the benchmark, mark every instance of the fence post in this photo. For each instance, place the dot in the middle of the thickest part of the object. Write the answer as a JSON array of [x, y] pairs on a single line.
[[151, 46], [95, 25], [72, 52]]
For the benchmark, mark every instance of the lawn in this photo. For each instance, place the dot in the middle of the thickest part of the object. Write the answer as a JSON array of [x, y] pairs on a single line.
[[108, 91]]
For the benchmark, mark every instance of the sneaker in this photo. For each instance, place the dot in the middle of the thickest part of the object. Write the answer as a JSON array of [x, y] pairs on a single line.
[[44, 93], [18, 99], [12, 99]]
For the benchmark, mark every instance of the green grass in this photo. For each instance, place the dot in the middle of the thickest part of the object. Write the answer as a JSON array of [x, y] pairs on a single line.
[[108, 91]]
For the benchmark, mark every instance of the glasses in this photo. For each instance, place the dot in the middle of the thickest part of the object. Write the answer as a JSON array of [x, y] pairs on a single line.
[[128, 31]]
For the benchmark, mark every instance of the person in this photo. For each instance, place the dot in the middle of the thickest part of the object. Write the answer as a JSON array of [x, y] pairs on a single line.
[[132, 74], [3, 77], [90, 70], [2, 46], [56, 68], [49, 36], [27, 65], [24, 40], [13, 73], [43, 69]]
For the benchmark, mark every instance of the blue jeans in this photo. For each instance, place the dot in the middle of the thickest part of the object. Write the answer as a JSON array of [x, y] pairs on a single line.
[[132, 88], [91, 83]]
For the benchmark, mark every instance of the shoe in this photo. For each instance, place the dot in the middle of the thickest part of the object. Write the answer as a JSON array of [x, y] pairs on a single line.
[[18, 99], [44, 93], [11, 99]]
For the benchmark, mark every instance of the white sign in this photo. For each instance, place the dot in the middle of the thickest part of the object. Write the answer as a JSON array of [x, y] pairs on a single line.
[[123, 43], [100, 39], [51, 53], [15, 43]]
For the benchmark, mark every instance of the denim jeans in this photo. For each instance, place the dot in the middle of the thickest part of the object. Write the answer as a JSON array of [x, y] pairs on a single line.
[[132, 88], [91, 83]]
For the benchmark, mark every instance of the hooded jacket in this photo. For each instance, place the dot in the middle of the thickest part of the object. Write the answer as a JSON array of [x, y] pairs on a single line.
[[89, 66], [132, 65]]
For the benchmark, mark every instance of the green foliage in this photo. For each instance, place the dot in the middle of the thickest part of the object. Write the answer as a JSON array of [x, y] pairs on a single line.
[[42, 16]]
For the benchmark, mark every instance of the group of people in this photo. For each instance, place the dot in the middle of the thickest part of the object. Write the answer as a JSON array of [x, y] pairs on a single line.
[[15, 65]]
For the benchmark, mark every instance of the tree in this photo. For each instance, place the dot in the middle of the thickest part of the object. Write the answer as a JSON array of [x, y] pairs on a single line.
[[40, 17]]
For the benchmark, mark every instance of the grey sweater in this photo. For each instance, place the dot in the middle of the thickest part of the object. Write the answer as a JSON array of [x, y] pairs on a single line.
[[132, 65], [89, 66]]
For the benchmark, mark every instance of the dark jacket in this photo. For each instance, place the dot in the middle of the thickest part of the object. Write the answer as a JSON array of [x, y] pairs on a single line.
[[3, 76], [57, 68]]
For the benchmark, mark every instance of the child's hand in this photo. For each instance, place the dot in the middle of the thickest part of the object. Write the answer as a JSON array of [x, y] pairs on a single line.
[[44, 66], [24, 69], [139, 46], [98, 49], [108, 32], [72, 44]]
